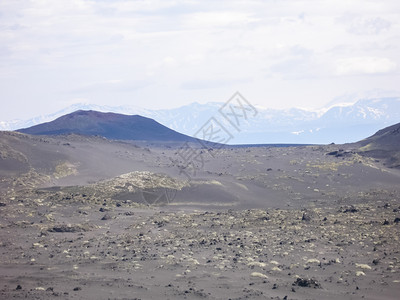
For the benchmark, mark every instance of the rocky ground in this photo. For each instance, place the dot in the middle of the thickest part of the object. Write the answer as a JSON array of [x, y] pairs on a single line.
[[115, 250], [317, 222]]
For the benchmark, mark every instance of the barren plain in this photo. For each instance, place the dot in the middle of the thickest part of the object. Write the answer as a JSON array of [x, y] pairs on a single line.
[[90, 218]]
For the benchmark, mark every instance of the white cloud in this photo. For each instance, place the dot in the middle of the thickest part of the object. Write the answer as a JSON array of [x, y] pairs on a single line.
[[298, 132], [364, 65], [218, 19], [170, 52], [368, 26]]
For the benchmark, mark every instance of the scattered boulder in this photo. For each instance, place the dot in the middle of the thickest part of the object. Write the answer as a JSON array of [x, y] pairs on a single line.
[[106, 217], [305, 282], [340, 153], [306, 217], [68, 228], [349, 209], [375, 261], [333, 153]]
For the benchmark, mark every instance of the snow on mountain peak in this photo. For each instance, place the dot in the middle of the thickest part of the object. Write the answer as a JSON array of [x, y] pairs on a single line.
[[341, 122]]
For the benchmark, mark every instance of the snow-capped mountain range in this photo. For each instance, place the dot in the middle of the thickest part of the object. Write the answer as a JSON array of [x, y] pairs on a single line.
[[338, 124]]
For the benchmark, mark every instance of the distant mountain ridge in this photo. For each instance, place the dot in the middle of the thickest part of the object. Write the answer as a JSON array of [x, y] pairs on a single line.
[[338, 124], [108, 125]]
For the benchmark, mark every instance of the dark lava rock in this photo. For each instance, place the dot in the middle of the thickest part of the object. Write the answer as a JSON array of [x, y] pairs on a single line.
[[375, 261], [397, 220], [305, 282], [306, 217], [106, 217], [333, 153], [67, 228], [78, 288], [18, 287], [350, 209], [340, 153], [2, 204], [386, 222]]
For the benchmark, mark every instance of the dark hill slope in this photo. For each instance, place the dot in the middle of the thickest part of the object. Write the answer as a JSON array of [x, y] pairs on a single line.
[[385, 144], [109, 125]]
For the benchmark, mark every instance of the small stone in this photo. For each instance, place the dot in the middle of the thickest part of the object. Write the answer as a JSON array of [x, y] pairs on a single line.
[[350, 209], [306, 217], [106, 217], [305, 282], [18, 287]]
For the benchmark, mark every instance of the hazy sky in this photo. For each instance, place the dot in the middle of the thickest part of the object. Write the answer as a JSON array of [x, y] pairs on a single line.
[[161, 54]]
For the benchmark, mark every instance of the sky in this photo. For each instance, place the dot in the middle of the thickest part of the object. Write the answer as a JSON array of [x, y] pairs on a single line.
[[160, 54]]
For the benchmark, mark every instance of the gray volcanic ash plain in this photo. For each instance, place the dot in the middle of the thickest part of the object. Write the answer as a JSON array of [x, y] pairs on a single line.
[[90, 218]]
